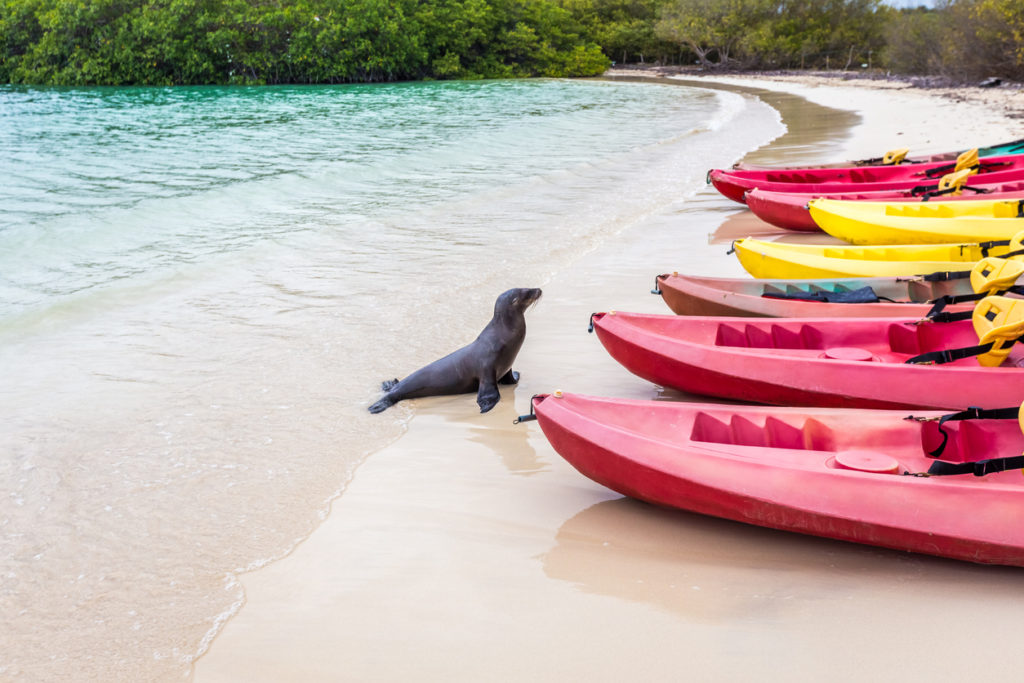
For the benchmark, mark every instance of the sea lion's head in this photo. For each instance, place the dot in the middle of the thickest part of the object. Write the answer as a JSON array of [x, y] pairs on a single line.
[[515, 301]]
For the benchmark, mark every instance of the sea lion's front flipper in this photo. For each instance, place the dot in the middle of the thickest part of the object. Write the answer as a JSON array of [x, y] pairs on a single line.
[[510, 377], [487, 397]]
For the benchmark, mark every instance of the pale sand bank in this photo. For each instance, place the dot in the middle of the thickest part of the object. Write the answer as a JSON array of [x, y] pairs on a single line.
[[469, 550]]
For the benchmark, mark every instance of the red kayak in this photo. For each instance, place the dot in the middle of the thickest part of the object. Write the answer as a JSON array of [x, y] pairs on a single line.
[[830, 473], [789, 210], [835, 362], [901, 297], [735, 183]]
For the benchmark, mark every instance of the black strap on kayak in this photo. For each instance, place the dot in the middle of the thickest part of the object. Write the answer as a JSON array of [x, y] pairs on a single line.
[[978, 468], [988, 246], [950, 190], [936, 314], [657, 284], [877, 161], [972, 413], [983, 166], [919, 190], [950, 355], [946, 275]]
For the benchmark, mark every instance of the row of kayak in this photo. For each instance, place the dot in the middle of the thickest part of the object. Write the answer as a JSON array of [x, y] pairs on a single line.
[[973, 198], [891, 378]]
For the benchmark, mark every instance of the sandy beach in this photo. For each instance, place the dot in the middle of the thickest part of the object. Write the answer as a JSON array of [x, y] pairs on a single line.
[[469, 550]]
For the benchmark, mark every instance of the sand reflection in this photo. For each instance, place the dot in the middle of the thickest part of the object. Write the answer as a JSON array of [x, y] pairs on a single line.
[[714, 570]]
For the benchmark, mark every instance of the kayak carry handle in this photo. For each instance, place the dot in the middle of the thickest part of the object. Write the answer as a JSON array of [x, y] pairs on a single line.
[[531, 416], [590, 328], [657, 284]]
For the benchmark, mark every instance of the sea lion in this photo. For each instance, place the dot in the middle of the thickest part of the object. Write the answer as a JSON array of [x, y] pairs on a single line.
[[480, 366]]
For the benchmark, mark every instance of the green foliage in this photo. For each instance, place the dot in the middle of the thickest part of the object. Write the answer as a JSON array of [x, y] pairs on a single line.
[[961, 39], [78, 42], [770, 33], [623, 28]]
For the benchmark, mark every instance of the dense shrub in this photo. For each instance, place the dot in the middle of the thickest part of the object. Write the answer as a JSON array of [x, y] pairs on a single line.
[[331, 41], [963, 40], [73, 42]]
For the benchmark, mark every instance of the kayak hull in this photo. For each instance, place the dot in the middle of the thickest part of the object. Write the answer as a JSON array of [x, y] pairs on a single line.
[[832, 362], [777, 260], [693, 295], [790, 211], [735, 183], [859, 222], [783, 468]]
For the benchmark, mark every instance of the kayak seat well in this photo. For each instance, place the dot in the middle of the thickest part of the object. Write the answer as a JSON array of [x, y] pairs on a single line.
[[797, 290], [921, 292], [904, 339], [793, 177], [968, 441], [921, 210], [774, 433], [775, 337], [863, 176]]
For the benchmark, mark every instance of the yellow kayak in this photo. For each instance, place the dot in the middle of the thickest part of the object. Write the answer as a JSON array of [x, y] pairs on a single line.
[[776, 260], [972, 220]]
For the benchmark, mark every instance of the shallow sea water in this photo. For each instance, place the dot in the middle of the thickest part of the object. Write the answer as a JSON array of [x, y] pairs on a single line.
[[201, 288]]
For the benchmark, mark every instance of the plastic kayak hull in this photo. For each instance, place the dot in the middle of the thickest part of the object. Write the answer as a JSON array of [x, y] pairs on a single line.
[[776, 260], [735, 183], [789, 210], [832, 362], [1002, 149], [826, 473], [693, 295], [859, 222]]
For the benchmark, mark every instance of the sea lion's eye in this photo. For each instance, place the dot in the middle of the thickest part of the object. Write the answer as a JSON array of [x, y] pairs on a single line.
[[516, 300]]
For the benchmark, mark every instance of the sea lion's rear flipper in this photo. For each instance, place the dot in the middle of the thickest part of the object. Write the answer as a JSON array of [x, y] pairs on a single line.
[[510, 377], [389, 384], [487, 397]]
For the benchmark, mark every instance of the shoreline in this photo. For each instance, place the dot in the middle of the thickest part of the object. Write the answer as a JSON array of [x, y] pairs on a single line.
[[1008, 97], [468, 549]]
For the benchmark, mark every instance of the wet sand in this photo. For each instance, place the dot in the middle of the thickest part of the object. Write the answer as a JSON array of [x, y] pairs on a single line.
[[468, 550]]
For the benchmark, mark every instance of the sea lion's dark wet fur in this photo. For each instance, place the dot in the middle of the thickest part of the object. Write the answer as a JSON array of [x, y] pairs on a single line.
[[478, 367]]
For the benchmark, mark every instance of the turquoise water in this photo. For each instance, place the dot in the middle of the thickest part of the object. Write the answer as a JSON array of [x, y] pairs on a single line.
[[105, 185], [201, 288]]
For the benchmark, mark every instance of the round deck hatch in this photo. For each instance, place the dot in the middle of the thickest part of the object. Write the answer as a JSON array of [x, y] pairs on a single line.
[[848, 353], [867, 461]]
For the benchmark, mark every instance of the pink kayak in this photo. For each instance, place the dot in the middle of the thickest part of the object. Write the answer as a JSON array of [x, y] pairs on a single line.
[[834, 362], [829, 473], [735, 183], [789, 210], [901, 297]]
